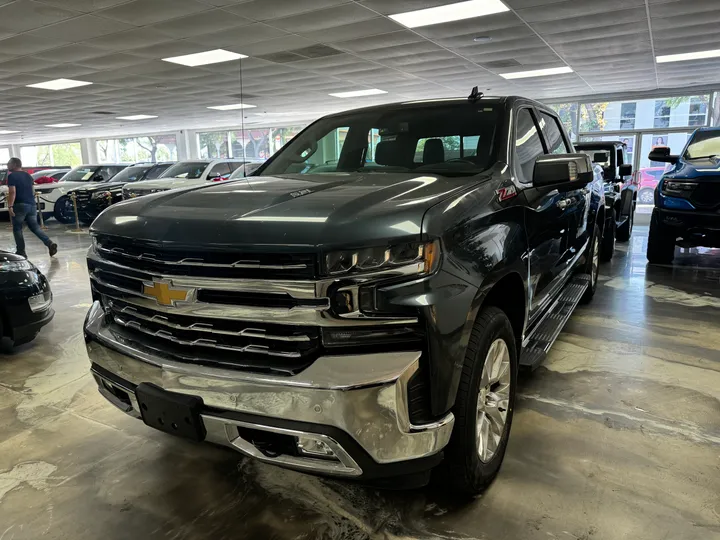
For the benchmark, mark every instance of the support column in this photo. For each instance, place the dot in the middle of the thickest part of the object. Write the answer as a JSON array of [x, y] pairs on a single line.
[[88, 151]]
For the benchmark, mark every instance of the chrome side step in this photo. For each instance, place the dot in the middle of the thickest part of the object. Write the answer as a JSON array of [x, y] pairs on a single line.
[[538, 343]]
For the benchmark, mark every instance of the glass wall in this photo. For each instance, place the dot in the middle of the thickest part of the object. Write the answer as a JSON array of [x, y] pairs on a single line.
[[151, 148], [250, 143], [4, 156], [50, 155]]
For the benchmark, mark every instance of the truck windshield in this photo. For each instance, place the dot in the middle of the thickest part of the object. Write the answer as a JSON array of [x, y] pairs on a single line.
[[186, 169], [80, 174], [703, 144], [452, 140]]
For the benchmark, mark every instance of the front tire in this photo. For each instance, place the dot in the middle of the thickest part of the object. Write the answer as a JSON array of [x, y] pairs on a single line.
[[646, 196], [64, 211], [484, 405], [661, 245], [607, 249]]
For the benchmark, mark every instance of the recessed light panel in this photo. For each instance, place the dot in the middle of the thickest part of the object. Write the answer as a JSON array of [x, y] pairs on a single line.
[[203, 58], [700, 55], [136, 117], [62, 125], [59, 84], [359, 93], [537, 73], [232, 107], [449, 13]]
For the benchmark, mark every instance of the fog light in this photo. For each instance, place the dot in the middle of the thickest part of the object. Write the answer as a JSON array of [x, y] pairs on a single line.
[[314, 448], [40, 302]]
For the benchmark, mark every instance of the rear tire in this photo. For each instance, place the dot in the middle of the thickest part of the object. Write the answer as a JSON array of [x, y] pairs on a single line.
[[624, 231], [661, 244], [592, 266], [64, 211], [607, 249], [484, 405]]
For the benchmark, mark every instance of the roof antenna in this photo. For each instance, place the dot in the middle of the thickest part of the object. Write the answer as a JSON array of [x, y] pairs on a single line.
[[475, 94]]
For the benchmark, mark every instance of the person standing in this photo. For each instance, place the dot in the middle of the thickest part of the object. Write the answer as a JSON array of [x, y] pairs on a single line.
[[22, 207]]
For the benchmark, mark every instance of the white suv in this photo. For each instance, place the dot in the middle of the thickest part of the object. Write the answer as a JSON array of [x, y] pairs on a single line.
[[185, 174]]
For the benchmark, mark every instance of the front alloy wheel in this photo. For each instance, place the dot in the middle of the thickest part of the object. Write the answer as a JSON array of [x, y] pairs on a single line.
[[493, 400]]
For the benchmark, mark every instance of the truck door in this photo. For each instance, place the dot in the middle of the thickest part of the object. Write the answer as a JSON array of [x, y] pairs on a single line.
[[546, 216]]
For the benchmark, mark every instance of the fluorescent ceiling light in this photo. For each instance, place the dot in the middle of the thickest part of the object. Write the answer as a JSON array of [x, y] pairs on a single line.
[[688, 56], [59, 84], [537, 73], [203, 58], [62, 125], [7, 131], [451, 12], [136, 117], [359, 93], [232, 107]]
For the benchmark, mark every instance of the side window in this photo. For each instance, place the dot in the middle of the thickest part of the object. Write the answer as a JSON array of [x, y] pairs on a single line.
[[156, 172], [220, 169], [528, 145], [553, 134]]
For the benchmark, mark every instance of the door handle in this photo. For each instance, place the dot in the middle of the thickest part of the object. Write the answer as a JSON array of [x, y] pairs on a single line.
[[562, 205]]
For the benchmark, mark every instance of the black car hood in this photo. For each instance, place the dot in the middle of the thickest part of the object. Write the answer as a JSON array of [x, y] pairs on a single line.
[[294, 210], [6, 256]]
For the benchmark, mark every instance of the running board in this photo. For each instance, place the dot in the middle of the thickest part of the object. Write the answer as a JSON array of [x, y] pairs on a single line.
[[538, 343]]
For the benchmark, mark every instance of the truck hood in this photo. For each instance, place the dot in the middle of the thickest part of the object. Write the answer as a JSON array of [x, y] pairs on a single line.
[[342, 209], [168, 183], [708, 168]]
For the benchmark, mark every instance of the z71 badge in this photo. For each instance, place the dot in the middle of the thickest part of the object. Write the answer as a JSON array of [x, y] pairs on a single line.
[[506, 193]]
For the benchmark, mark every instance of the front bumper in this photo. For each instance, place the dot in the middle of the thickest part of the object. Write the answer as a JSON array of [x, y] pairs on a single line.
[[694, 227], [356, 405]]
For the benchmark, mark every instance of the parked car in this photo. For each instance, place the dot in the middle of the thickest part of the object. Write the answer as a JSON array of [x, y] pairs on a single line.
[[687, 198], [54, 200], [31, 171], [49, 176], [620, 191], [96, 197], [647, 180], [25, 299], [185, 174], [355, 319]]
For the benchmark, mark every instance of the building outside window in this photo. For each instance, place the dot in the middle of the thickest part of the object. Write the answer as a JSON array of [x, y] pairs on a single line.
[[662, 114], [258, 143], [627, 115], [697, 115]]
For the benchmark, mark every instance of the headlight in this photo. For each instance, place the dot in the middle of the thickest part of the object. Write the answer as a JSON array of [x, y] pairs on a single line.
[[425, 255], [679, 188], [100, 195], [16, 266]]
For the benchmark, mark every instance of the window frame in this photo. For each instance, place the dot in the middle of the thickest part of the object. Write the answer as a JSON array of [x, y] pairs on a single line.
[[516, 162], [568, 147]]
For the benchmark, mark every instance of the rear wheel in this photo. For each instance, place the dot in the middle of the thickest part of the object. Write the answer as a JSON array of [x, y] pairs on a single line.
[[484, 405], [646, 196], [607, 249], [64, 211], [661, 242]]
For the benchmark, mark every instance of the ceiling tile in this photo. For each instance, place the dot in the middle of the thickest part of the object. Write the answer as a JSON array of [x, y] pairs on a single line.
[[26, 15], [80, 29], [23, 44], [262, 10], [324, 18], [216, 20], [130, 39], [143, 12]]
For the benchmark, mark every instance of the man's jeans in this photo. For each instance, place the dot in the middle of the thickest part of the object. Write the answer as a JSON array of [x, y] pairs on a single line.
[[27, 213]]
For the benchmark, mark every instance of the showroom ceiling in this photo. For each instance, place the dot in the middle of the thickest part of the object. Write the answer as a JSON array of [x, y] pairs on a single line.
[[299, 51]]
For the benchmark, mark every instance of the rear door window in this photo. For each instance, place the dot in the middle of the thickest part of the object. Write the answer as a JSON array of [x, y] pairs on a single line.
[[553, 134], [528, 145]]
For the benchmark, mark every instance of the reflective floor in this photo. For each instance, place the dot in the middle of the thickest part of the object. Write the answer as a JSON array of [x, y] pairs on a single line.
[[616, 436]]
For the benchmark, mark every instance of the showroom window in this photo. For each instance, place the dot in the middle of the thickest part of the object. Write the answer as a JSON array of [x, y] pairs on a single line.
[[627, 115], [251, 143], [4, 156], [697, 115], [214, 144], [662, 114], [50, 155], [568, 113], [150, 148]]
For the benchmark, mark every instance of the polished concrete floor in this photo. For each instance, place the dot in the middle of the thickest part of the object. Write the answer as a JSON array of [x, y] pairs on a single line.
[[616, 436]]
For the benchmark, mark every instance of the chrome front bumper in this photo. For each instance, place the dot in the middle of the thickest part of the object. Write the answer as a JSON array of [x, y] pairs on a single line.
[[363, 396]]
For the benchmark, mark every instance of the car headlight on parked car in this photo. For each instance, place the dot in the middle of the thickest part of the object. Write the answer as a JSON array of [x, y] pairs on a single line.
[[16, 266], [100, 195], [423, 256], [672, 187]]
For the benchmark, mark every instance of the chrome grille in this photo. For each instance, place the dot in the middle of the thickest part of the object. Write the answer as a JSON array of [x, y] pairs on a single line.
[[227, 263]]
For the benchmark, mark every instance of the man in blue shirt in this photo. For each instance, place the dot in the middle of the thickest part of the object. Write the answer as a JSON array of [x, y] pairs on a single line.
[[22, 207]]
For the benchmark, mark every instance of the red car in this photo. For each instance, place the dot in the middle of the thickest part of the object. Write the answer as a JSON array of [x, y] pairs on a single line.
[[647, 180]]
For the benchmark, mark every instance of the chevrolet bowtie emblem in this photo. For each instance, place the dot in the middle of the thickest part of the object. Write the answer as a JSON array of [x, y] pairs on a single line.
[[164, 294]]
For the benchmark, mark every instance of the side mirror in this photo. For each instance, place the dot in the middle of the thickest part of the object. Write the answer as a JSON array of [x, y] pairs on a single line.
[[600, 157], [562, 170], [662, 154], [626, 170]]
